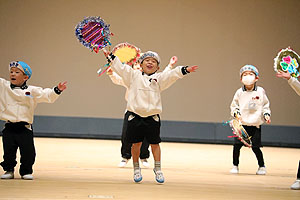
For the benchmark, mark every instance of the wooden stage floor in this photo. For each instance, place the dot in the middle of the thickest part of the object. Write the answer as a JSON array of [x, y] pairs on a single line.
[[87, 169]]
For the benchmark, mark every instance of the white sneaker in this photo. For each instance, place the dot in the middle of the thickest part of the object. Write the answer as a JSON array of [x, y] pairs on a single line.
[[234, 170], [296, 185], [27, 177], [8, 175], [261, 171], [145, 163], [137, 176], [123, 162], [159, 177]]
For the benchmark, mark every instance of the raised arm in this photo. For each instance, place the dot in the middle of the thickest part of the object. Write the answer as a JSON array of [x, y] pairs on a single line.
[[124, 71]]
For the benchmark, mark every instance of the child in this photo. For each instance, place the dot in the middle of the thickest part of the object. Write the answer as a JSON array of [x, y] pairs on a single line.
[[251, 106], [126, 147], [17, 104], [144, 104], [295, 84]]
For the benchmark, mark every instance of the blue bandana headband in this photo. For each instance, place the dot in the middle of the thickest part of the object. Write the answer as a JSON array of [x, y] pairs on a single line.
[[151, 54], [250, 68], [22, 66]]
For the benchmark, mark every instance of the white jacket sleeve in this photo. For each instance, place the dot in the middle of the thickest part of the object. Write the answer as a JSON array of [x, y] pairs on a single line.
[[235, 107], [295, 84], [169, 76], [266, 104], [116, 79], [124, 71], [46, 95]]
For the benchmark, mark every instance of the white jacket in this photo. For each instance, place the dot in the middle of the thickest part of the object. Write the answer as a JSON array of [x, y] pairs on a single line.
[[144, 91], [18, 105], [252, 105], [116, 79], [295, 84]]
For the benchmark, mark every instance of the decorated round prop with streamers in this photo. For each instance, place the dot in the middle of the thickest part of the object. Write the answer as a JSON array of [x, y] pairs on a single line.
[[127, 53], [287, 60], [240, 132], [93, 33]]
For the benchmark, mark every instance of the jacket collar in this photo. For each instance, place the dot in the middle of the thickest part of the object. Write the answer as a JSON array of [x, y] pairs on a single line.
[[22, 87], [254, 88]]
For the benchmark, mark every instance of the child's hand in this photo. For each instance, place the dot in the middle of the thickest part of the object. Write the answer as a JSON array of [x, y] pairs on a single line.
[[268, 119], [109, 71], [62, 86], [173, 61], [105, 52], [192, 68], [282, 74]]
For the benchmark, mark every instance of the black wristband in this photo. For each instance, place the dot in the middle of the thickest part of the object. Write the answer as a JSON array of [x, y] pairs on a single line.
[[184, 70], [57, 91], [110, 57]]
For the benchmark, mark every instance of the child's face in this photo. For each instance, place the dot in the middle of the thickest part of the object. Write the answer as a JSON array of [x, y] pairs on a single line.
[[249, 78], [149, 65], [17, 77]]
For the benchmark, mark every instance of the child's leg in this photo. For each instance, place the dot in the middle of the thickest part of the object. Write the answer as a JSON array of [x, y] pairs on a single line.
[[236, 154], [255, 134], [259, 156], [135, 151], [144, 150], [27, 151], [156, 151], [126, 146], [159, 177], [10, 150]]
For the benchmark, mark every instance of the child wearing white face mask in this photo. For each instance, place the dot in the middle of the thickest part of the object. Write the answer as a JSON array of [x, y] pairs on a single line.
[[250, 105]]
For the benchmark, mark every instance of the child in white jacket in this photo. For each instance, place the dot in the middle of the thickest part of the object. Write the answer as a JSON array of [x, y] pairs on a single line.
[[144, 104], [17, 104], [125, 146], [251, 106]]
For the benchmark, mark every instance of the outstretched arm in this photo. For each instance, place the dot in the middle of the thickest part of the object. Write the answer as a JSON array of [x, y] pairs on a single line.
[[293, 82], [282, 74]]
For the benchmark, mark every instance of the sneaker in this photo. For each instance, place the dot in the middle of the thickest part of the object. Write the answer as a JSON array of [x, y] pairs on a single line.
[[123, 162], [8, 175], [27, 177], [145, 163], [261, 171], [159, 177], [296, 185], [137, 176], [234, 170]]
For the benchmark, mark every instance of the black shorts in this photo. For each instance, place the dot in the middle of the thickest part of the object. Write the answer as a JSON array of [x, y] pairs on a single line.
[[139, 128], [254, 133]]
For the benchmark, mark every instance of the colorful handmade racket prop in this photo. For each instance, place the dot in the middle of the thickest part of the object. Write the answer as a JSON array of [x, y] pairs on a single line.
[[94, 34], [287, 60], [240, 132], [127, 53]]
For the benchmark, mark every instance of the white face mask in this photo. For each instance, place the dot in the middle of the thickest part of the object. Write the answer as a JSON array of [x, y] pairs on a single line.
[[248, 79]]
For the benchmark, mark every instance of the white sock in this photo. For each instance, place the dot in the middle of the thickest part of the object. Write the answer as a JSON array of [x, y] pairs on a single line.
[[157, 165], [136, 166]]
